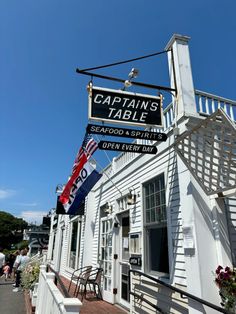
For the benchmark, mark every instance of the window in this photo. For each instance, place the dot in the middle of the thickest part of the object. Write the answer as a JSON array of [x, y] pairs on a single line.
[[122, 204], [106, 252], [74, 244], [156, 225]]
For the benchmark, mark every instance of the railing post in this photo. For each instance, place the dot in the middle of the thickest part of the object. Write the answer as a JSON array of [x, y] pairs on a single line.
[[41, 288], [47, 297], [71, 306]]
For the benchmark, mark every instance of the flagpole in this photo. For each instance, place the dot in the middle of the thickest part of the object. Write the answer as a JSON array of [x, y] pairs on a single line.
[[107, 176]]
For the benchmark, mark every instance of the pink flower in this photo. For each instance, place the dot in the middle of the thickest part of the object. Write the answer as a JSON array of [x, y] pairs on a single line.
[[218, 269]]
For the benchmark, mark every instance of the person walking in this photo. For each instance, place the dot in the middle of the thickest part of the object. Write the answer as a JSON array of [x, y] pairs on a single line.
[[16, 254], [2, 261], [21, 262], [6, 271]]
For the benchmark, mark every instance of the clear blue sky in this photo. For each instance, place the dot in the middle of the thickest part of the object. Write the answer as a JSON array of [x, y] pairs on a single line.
[[43, 101]]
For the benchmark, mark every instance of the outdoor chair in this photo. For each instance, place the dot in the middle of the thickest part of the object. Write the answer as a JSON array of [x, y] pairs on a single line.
[[78, 274], [94, 280]]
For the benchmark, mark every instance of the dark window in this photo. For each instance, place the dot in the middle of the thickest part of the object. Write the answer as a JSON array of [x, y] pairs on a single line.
[[156, 225]]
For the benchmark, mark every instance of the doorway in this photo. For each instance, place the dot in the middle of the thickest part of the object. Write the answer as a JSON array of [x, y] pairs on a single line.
[[124, 266]]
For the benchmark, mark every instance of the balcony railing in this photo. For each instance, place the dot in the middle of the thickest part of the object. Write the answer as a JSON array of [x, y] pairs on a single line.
[[208, 103]]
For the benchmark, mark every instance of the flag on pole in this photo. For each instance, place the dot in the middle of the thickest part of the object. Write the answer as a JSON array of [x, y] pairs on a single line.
[[87, 178], [88, 147]]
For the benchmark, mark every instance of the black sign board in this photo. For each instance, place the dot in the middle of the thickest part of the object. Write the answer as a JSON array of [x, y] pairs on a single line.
[[121, 132], [124, 107], [135, 260], [127, 147]]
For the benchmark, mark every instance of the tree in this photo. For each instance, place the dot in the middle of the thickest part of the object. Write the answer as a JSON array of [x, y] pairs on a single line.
[[11, 229]]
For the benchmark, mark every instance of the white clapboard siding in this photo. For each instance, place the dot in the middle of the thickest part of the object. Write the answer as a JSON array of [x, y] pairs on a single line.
[[142, 168], [164, 298], [231, 216]]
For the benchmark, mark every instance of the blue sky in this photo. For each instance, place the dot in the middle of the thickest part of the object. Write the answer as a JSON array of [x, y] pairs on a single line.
[[43, 101]]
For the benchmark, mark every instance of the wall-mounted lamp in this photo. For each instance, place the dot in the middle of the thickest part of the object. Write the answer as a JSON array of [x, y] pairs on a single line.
[[132, 75], [131, 197], [107, 208], [59, 189]]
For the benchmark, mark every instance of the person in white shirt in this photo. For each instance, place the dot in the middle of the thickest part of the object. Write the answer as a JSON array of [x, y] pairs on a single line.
[[2, 261], [21, 262]]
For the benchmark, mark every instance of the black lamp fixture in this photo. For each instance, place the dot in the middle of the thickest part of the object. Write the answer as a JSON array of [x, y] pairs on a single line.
[[107, 208], [131, 197], [59, 189]]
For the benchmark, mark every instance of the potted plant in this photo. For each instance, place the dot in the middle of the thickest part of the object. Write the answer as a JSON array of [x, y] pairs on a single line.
[[225, 278]]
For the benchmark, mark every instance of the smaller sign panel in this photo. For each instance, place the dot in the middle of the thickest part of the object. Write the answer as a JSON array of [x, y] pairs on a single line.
[[135, 260], [122, 132], [124, 107], [127, 147]]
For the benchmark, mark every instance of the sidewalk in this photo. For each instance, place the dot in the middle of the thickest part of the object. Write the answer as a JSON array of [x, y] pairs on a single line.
[[11, 302]]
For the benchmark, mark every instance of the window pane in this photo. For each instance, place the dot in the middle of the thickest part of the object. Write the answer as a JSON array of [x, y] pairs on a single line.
[[158, 199], [152, 187], [146, 190], [73, 244], [148, 218], [152, 202], [153, 216], [147, 204], [158, 248]]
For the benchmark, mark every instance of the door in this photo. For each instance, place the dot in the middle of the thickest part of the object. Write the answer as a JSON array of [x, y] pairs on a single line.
[[124, 262], [106, 258]]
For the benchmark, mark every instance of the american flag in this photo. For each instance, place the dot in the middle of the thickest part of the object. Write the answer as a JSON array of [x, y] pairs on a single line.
[[88, 147]]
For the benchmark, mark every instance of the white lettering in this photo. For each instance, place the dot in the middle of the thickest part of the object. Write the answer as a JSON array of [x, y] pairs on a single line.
[[143, 116], [96, 100], [144, 105], [154, 106], [127, 114], [118, 114], [116, 99], [111, 111], [107, 100], [131, 104]]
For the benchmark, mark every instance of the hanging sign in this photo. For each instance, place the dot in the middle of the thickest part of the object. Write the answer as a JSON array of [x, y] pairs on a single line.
[[124, 107], [127, 147], [121, 132]]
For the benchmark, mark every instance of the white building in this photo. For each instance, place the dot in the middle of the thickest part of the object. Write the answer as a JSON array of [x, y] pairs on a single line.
[[175, 211]]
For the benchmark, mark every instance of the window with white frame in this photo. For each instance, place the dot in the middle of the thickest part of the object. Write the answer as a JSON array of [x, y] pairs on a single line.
[[155, 222], [74, 244], [122, 204]]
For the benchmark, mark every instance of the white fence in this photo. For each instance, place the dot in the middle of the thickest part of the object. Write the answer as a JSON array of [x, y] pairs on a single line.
[[208, 103], [50, 299]]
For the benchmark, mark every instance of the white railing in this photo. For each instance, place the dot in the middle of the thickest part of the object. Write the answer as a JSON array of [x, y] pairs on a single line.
[[50, 299], [208, 103]]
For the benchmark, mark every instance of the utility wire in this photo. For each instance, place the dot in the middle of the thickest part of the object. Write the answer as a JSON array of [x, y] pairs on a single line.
[[125, 61]]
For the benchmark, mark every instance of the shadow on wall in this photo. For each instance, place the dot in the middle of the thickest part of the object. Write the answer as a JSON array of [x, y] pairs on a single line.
[[210, 219], [165, 299]]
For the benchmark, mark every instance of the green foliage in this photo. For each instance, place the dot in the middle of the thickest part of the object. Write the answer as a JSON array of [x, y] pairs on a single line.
[[226, 281], [30, 275], [11, 229], [22, 245]]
